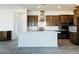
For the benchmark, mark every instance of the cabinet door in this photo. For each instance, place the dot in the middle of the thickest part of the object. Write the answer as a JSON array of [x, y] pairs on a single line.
[[62, 19], [75, 17], [66, 18], [70, 18], [36, 20], [3, 35], [32, 20], [77, 11], [78, 29], [75, 38], [71, 37], [57, 20], [52, 20]]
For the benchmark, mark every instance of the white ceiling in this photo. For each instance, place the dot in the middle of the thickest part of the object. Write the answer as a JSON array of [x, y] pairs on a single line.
[[48, 7]]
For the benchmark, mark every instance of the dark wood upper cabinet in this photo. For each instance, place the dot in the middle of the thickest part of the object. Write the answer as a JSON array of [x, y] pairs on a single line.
[[66, 18], [32, 20], [76, 14], [75, 17], [52, 20], [56, 20], [77, 10]]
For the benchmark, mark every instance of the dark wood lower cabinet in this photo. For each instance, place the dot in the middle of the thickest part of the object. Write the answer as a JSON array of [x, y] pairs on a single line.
[[5, 35], [64, 35], [78, 30], [73, 38]]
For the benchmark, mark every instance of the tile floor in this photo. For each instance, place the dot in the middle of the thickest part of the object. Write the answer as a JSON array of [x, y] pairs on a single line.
[[65, 47], [65, 42], [10, 47]]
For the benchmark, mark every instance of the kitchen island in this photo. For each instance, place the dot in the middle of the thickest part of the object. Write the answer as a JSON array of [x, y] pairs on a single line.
[[38, 39]]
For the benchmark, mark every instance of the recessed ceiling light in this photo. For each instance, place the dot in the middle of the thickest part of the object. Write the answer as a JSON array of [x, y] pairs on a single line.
[[58, 6]]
